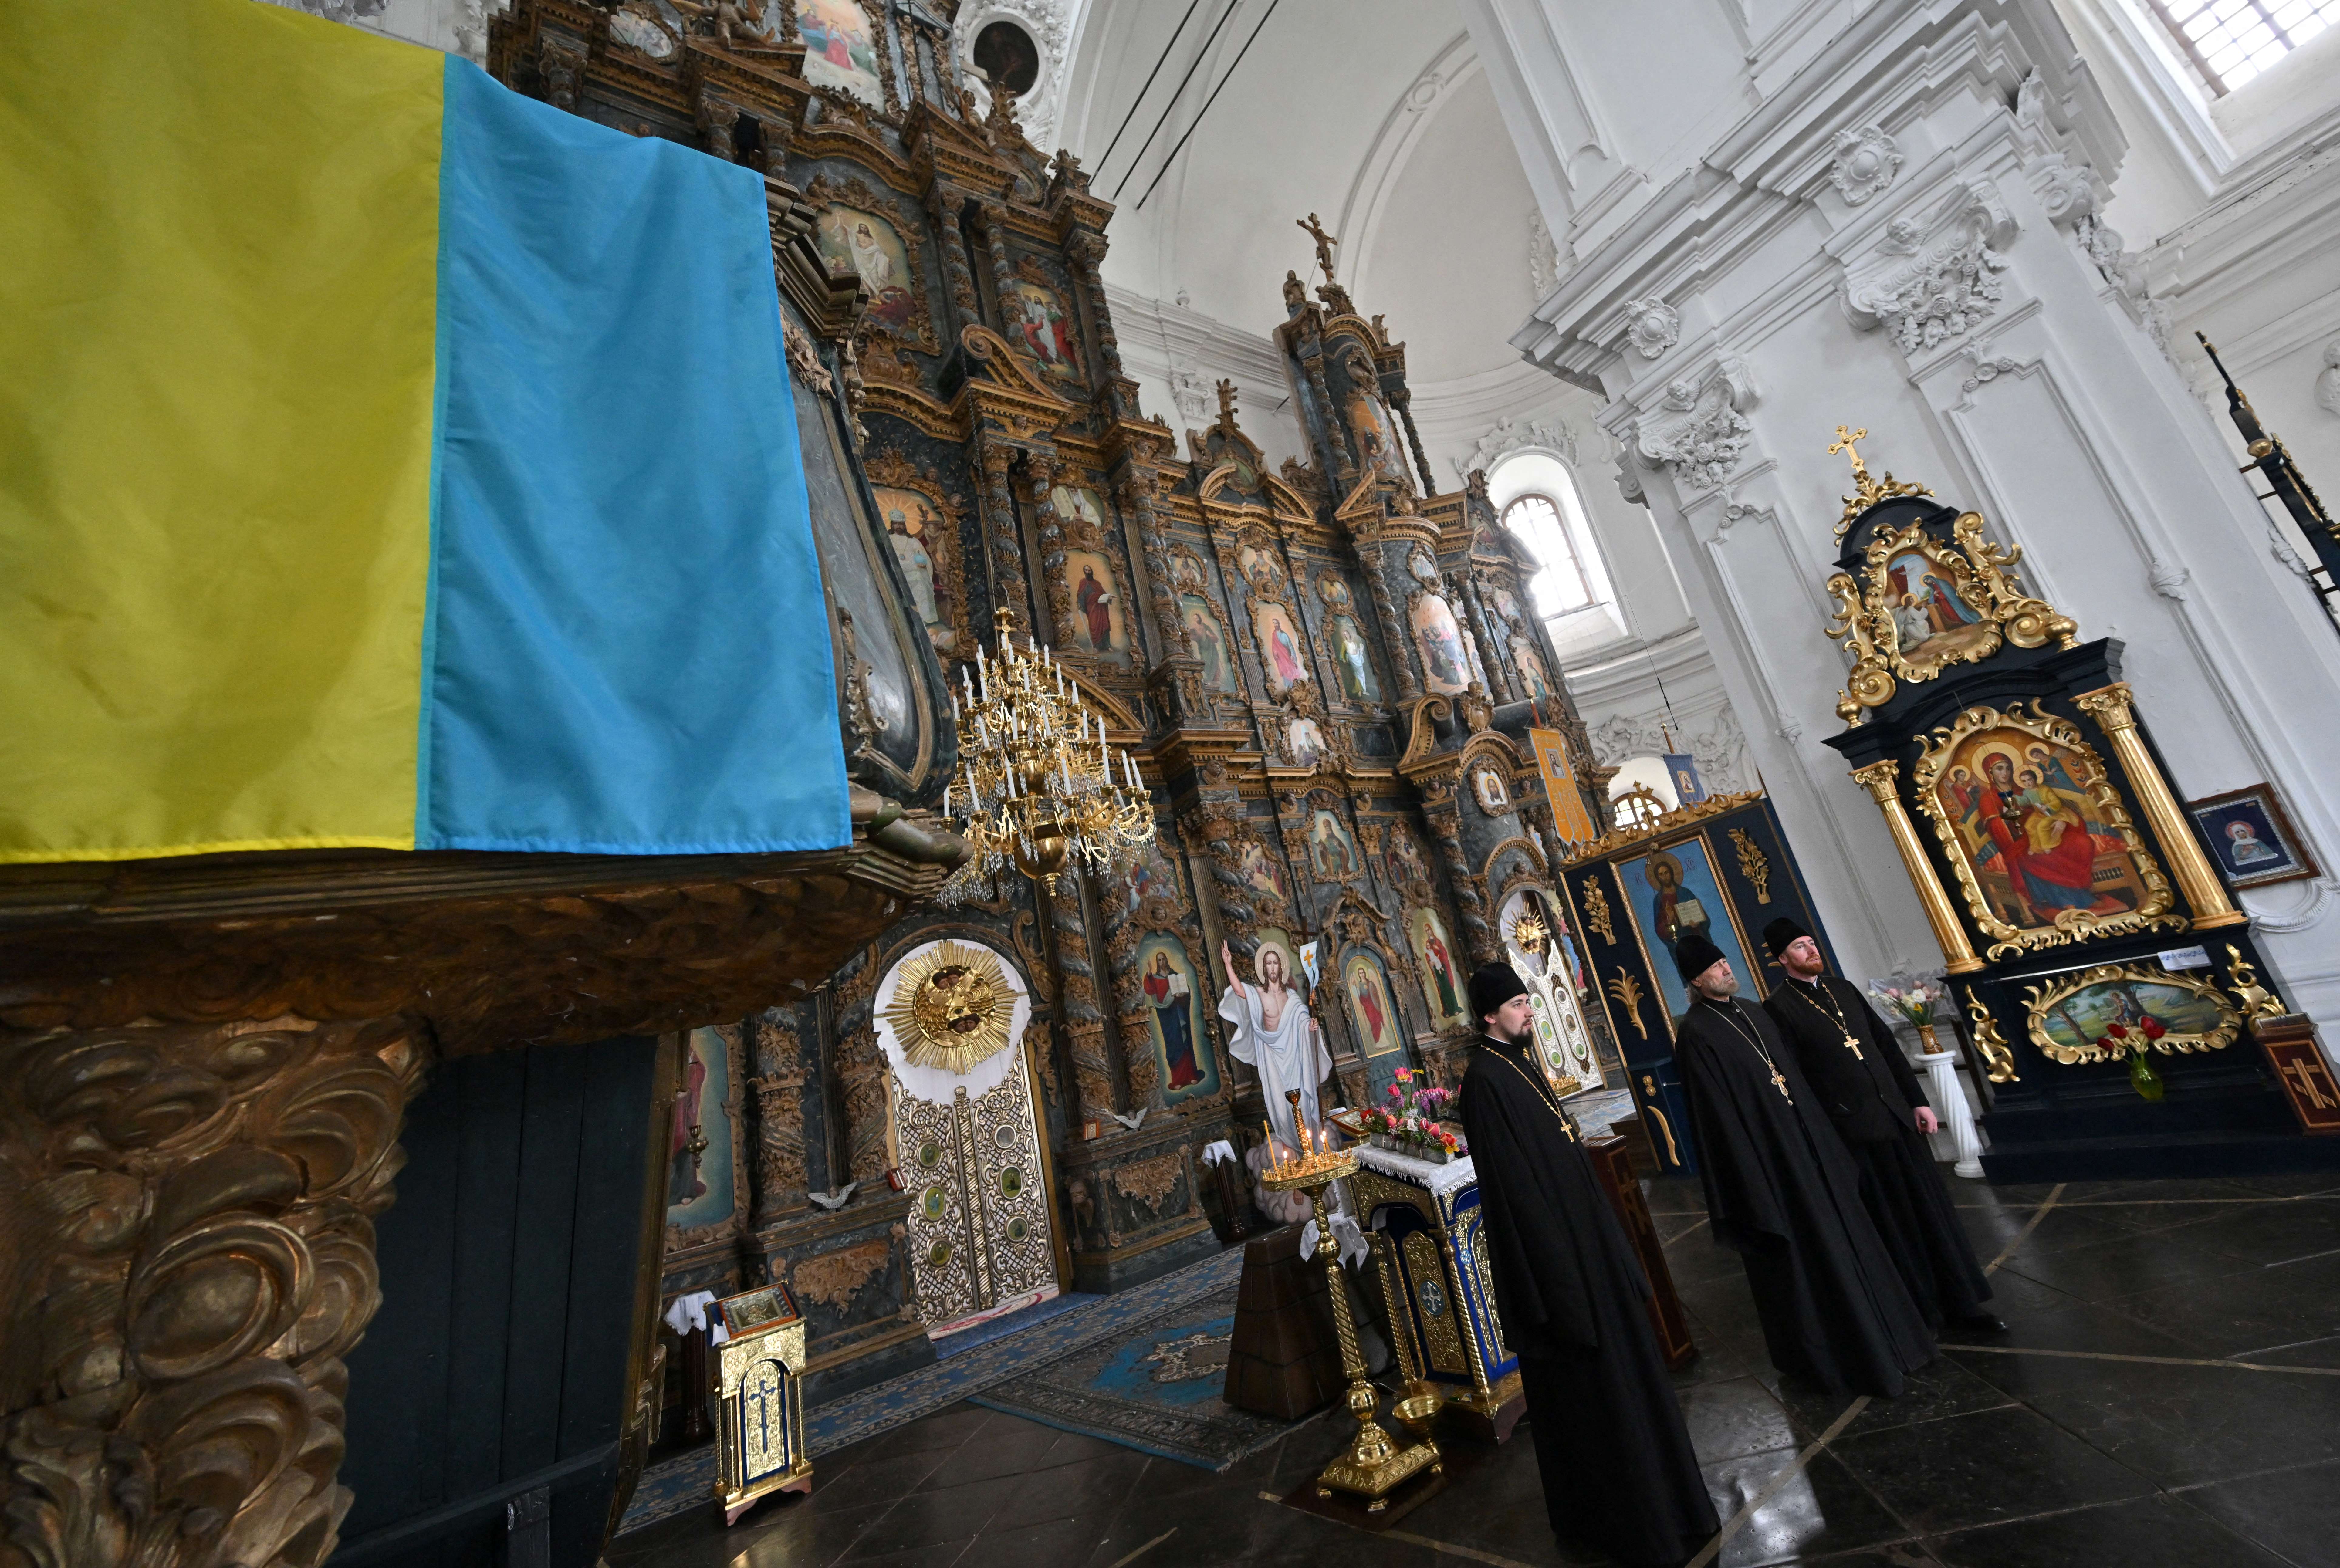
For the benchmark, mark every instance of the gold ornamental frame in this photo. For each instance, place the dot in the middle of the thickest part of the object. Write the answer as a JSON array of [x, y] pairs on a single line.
[[1979, 575], [2153, 913], [927, 1009], [2040, 1000]]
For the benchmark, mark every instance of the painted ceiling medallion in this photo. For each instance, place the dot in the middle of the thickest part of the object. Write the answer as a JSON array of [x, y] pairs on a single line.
[[951, 1007]]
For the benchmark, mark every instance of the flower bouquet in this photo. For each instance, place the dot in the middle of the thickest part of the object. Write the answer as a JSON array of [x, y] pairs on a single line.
[[1408, 1124], [1920, 1003], [2135, 1040]]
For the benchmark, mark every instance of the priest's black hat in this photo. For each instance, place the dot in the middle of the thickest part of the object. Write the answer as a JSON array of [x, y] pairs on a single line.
[[1492, 985], [1781, 934], [1694, 954]]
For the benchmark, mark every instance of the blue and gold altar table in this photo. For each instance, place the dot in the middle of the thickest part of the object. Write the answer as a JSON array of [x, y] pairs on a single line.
[[1431, 1251]]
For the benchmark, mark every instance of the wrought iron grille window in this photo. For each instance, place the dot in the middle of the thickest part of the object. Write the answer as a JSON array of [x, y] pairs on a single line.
[[2231, 41]]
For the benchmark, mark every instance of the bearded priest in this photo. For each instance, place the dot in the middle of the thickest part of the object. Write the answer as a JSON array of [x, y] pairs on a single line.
[[1616, 1461], [1872, 1097], [1785, 1195]]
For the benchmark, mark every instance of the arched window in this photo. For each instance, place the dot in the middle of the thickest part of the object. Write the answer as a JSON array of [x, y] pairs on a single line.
[[1563, 584], [1542, 511], [1640, 791]]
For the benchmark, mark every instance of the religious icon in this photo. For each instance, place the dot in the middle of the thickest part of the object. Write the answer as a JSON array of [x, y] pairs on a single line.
[[1925, 601], [1259, 871], [1182, 1046], [1442, 982], [1670, 893], [1441, 643], [1424, 570], [1406, 865], [870, 246], [2105, 1012], [1099, 625], [698, 1185], [1370, 425], [1529, 664], [1259, 567], [1150, 878], [1372, 1016], [1039, 325], [1537, 940], [1331, 848], [1078, 503], [1305, 741], [1487, 788], [841, 48], [1279, 647], [1350, 662], [2035, 837], [1219, 672], [914, 532], [2252, 838], [1275, 1035], [633, 26]]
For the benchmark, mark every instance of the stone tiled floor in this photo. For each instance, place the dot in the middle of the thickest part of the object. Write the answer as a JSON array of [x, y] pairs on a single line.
[[2125, 1448]]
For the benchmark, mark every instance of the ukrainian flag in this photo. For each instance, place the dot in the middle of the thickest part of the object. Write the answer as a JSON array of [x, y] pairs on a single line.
[[387, 460]]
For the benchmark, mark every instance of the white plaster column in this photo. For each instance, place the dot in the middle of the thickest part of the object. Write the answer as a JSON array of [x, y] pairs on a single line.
[[1900, 236]]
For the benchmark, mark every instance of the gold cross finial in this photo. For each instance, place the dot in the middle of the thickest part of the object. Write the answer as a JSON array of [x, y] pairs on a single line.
[[1325, 243], [1843, 442]]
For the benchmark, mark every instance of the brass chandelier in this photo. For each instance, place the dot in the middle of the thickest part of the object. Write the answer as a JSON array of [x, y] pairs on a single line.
[[1041, 786]]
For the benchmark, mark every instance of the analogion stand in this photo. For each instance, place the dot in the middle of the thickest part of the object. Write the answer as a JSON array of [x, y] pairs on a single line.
[[761, 1446]]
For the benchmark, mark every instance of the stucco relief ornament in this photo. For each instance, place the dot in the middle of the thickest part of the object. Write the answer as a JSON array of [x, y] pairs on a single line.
[[1702, 432], [1866, 162], [1929, 287], [1652, 326]]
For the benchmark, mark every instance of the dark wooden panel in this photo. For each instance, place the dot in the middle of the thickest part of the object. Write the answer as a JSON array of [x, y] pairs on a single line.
[[495, 1098], [544, 1226], [498, 1362]]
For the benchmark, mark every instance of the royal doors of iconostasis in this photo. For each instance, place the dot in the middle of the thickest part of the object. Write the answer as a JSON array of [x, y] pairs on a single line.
[[1543, 951], [950, 1018]]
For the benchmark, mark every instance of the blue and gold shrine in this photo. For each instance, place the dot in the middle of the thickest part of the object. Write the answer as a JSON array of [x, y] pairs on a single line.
[[762, 1447], [1431, 1249]]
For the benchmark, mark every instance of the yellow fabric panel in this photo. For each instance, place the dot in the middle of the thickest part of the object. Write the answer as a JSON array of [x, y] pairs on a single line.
[[219, 227]]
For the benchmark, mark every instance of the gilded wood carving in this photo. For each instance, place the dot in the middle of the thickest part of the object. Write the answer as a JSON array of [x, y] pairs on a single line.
[[2036, 832]]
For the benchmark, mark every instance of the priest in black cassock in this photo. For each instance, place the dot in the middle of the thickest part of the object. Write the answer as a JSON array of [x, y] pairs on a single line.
[[1616, 1461], [1871, 1095], [1785, 1195]]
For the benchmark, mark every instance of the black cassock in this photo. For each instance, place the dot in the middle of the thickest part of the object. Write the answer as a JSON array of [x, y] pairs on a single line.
[[1782, 1191], [1871, 1099], [1616, 1460]]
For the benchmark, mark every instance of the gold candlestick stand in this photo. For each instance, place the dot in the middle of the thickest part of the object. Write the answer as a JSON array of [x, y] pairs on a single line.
[[1374, 1467]]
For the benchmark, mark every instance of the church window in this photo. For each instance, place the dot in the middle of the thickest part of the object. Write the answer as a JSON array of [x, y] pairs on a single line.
[[1563, 584], [2231, 41]]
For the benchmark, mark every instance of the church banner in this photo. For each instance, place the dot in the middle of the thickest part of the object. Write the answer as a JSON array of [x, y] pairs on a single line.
[[1575, 823], [390, 461]]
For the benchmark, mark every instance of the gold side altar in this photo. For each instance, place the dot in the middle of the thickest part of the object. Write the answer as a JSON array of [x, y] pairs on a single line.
[[762, 1442]]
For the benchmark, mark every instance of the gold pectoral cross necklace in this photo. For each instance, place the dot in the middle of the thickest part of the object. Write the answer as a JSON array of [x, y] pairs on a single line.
[[1777, 1082], [1835, 1015]]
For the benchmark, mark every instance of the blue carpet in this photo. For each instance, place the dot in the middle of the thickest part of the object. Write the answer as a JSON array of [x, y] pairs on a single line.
[[1153, 1387], [967, 1339], [687, 1480]]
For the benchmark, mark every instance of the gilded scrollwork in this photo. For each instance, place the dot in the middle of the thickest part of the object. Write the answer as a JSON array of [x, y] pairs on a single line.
[[1950, 764], [195, 1206], [1921, 605], [2115, 1010], [1996, 1055]]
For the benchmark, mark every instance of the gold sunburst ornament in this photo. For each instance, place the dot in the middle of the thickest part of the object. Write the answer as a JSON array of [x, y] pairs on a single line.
[[951, 1007]]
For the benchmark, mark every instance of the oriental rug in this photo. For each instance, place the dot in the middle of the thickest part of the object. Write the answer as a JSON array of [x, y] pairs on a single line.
[[1153, 1387]]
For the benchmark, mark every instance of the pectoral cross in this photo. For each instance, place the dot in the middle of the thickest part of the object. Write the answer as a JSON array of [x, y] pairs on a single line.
[[1854, 1047], [1780, 1084]]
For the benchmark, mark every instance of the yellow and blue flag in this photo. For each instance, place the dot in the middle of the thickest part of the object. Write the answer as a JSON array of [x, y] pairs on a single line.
[[386, 459]]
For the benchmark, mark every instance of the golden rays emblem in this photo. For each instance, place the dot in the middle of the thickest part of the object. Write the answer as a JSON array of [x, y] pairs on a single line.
[[951, 1007]]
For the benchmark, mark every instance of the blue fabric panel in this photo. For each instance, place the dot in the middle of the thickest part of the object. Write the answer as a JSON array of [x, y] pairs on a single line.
[[627, 650]]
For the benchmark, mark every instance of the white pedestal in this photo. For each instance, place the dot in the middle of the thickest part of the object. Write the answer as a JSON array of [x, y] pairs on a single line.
[[1941, 1070]]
